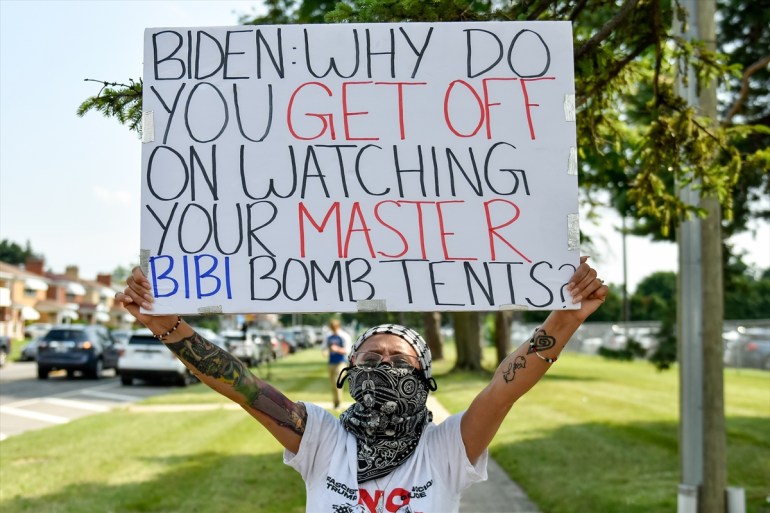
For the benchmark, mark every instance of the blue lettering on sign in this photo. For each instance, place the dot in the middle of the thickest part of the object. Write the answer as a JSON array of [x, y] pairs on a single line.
[[210, 274]]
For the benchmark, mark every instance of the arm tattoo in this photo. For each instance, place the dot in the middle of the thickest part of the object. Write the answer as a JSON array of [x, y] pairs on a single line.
[[542, 341], [539, 341], [210, 360], [518, 363]]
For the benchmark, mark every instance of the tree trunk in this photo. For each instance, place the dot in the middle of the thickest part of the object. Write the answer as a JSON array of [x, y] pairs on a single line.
[[432, 323], [714, 432], [467, 340], [503, 320]]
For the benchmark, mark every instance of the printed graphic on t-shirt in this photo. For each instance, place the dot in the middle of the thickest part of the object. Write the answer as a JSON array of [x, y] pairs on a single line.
[[395, 500]]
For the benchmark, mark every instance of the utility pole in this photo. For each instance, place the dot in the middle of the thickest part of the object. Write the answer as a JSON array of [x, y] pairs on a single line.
[[701, 311]]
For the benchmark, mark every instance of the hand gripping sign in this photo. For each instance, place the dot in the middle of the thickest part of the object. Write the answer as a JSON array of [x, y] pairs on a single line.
[[357, 167]]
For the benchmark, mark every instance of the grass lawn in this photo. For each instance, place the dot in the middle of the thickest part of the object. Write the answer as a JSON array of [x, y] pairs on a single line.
[[594, 436], [601, 436]]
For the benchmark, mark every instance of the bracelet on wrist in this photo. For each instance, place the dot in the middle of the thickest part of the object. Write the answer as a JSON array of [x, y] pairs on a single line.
[[165, 335], [544, 358]]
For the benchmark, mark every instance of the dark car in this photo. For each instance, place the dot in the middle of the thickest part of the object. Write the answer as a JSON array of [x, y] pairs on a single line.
[[5, 349], [88, 349]]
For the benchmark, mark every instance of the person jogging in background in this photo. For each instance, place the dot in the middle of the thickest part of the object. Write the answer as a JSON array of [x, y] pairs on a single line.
[[337, 345], [384, 453]]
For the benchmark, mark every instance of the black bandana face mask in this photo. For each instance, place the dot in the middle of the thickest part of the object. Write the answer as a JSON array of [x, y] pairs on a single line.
[[387, 418]]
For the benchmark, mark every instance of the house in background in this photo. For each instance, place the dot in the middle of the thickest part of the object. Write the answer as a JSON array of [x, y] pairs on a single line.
[[30, 294], [20, 293]]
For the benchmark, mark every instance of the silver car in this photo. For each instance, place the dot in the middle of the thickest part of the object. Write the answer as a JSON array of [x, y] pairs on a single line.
[[748, 348], [243, 345]]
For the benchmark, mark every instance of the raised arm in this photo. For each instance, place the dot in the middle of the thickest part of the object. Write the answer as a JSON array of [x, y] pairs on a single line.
[[523, 368], [217, 368]]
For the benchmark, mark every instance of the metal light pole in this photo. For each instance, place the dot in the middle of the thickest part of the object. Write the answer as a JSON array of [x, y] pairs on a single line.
[[700, 314]]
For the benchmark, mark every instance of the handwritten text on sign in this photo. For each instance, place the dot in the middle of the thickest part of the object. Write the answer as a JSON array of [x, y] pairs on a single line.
[[358, 167]]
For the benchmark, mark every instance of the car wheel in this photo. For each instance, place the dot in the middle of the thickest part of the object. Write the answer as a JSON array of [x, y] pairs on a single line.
[[42, 373], [126, 380], [185, 379], [96, 369]]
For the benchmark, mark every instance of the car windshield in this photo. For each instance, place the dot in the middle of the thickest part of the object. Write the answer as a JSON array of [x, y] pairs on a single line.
[[66, 335], [145, 340]]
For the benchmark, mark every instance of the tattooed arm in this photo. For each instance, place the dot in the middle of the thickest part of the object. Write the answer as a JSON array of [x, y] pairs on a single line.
[[523, 368], [219, 369]]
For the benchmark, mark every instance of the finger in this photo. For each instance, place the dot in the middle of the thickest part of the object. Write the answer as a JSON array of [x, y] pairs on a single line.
[[601, 293], [581, 276], [128, 303], [594, 289], [138, 275], [137, 295], [139, 284]]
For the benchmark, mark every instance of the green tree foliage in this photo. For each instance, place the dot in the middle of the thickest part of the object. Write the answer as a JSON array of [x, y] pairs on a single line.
[[655, 297], [12, 253], [120, 101], [747, 294], [655, 300]]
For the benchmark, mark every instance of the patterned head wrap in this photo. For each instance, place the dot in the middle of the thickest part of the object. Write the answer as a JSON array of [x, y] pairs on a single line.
[[415, 340], [390, 411]]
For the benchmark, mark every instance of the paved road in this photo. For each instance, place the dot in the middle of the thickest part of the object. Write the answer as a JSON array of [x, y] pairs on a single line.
[[28, 403]]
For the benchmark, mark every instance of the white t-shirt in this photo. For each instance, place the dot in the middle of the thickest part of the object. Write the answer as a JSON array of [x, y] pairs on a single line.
[[430, 481]]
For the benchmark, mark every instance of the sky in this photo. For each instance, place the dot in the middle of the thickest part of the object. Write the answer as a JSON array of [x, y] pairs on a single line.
[[70, 186]]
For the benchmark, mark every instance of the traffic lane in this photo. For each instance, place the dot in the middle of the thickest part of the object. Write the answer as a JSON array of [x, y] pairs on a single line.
[[19, 381], [28, 403]]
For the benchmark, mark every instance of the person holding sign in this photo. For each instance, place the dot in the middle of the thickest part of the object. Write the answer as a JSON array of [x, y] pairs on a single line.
[[383, 454], [337, 345]]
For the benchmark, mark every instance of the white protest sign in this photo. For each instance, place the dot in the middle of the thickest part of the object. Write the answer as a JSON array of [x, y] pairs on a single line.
[[359, 167]]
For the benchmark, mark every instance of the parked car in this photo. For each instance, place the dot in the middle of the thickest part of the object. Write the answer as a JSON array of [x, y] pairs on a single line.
[[37, 330], [304, 335], [121, 336], [29, 351], [212, 336], [76, 347], [5, 349], [270, 346], [287, 341], [145, 357], [750, 348], [243, 345]]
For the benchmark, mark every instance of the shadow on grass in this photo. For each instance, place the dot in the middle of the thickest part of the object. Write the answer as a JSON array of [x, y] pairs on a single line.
[[628, 468], [208, 483]]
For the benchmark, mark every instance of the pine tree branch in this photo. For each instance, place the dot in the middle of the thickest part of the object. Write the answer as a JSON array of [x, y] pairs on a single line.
[[758, 65], [607, 29]]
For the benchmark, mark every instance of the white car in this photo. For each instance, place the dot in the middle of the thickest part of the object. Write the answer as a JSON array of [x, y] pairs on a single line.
[[146, 358], [37, 330], [243, 345]]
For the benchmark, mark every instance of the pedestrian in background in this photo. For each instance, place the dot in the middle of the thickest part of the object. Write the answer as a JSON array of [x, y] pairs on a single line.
[[337, 345]]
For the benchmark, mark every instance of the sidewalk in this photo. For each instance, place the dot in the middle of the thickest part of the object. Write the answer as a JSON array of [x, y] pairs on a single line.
[[498, 494]]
